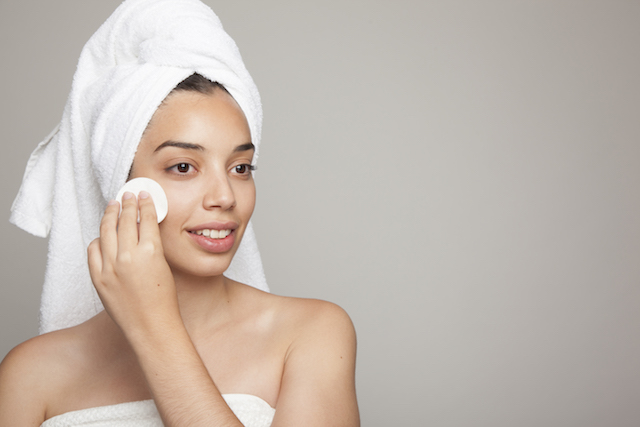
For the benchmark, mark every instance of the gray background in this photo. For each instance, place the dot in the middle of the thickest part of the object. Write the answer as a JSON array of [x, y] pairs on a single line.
[[463, 177]]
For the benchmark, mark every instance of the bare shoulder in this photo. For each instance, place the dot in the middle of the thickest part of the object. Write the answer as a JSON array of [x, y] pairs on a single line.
[[315, 318], [323, 343], [31, 373], [304, 318], [319, 369], [42, 357]]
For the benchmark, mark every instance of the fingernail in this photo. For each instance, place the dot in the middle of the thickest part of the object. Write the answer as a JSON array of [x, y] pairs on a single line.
[[127, 195], [143, 195], [112, 202]]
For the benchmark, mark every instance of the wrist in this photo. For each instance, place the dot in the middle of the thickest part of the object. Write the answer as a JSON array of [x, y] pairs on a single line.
[[156, 331]]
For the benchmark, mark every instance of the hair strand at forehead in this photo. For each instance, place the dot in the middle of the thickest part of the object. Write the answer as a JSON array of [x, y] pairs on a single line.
[[198, 83]]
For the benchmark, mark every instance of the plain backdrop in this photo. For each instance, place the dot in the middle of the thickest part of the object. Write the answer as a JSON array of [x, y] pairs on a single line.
[[463, 177]]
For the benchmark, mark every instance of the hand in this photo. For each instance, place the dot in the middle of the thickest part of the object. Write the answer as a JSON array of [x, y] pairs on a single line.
[[128, 267]]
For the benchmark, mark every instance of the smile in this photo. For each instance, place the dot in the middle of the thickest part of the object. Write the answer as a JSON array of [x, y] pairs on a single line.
[[212, 240], [212, 234]]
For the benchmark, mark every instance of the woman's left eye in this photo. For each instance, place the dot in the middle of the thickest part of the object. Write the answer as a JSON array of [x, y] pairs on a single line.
[[244, 169]]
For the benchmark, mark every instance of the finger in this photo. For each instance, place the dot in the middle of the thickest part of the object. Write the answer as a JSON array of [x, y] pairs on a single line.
[[128, 223], [94, 257], [149, 229], [109, 231]]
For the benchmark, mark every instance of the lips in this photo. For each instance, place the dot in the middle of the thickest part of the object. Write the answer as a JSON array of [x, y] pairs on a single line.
[[213, 233], [214, 237]]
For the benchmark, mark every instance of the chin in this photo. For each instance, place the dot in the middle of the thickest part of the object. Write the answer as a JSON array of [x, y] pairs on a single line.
[[201, 268]]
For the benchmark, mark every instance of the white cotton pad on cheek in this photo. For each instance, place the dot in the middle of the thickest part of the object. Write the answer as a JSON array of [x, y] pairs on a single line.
[[158, 195]]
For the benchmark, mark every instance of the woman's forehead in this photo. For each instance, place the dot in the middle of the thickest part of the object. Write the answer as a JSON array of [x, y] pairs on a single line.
[[190, 120], [198, 123]]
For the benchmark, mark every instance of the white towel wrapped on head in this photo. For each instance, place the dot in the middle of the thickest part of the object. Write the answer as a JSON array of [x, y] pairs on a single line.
[[125, 71]]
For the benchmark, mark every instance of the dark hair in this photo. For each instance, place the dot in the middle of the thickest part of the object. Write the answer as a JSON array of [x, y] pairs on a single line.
[[198, 83]]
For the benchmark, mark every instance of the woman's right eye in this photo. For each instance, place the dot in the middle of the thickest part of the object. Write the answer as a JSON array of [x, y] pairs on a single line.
[[181, 168]]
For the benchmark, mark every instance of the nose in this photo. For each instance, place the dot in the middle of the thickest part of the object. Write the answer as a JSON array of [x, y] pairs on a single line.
[[219, 193]]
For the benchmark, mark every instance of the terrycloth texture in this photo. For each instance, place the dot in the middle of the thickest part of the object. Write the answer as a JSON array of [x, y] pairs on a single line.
[[252, 411], [125, 71]]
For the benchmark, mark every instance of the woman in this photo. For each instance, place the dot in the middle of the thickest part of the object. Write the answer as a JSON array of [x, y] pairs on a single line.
[[206, 349]]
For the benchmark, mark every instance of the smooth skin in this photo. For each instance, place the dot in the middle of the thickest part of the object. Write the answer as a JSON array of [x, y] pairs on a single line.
[[175, 329]]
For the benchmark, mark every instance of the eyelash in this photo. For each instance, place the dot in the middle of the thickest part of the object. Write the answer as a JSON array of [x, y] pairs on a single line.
[[250, 168]]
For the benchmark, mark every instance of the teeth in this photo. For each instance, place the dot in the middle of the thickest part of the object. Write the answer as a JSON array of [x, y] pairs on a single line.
[[213, 234]]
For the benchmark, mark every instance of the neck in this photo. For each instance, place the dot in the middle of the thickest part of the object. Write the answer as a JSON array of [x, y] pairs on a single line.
[[204, 301], [204, 304]]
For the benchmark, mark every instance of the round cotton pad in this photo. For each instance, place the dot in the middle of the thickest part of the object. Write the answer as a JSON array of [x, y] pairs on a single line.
[[158, 196]]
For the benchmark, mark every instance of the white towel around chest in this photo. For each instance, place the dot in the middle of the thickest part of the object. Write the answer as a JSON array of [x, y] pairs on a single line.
[[251, 410]]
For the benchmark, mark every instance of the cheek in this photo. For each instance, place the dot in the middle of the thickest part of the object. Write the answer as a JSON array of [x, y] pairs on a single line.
[[181, 198], [181, 203], [246, 198]]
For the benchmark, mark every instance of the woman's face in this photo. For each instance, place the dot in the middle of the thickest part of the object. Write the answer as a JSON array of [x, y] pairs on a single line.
[[198, 147]]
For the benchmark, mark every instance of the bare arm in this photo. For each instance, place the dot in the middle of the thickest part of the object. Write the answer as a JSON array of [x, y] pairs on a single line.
[[181, 386], [136, 286], [318, 385], [22, 387]]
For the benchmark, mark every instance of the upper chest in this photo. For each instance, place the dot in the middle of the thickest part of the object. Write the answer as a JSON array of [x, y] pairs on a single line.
[[246, 359]]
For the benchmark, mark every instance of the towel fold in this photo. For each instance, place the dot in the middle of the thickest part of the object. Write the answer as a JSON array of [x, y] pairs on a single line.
[[125, 71]]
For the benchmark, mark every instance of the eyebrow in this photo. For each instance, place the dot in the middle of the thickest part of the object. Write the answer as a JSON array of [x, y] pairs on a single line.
[[184, 145], [244, 147], [189, 146]]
